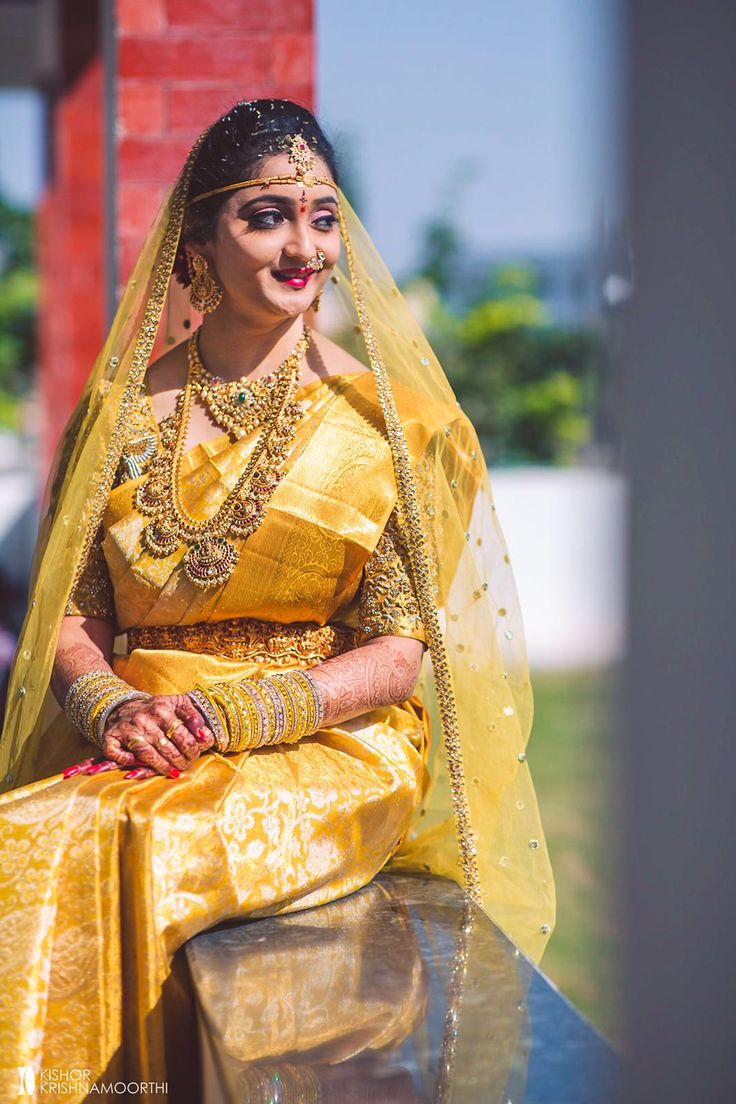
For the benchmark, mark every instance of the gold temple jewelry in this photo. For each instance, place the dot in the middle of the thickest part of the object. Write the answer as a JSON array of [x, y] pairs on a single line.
[[300, 155], [241, 405], [317, 301], [210, 557], [205, 293]]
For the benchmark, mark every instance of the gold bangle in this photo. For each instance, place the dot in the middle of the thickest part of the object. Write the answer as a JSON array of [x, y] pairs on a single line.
[[302, 704], [291, 723], [253, 722]]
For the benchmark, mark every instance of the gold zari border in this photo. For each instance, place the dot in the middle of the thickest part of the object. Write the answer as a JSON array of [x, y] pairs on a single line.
[[423, 578]]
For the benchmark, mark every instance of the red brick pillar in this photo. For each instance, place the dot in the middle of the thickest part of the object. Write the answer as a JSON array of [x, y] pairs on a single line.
[[181, 63], [178, 65], [70, 230]]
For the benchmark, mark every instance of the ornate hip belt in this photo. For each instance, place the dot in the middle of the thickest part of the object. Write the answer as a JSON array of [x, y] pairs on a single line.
[[249, 638]]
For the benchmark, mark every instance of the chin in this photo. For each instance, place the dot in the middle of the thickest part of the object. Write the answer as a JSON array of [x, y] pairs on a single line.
[[291, 308]]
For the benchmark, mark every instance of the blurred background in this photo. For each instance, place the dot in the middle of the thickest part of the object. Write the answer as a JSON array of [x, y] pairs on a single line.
[[481, 144]]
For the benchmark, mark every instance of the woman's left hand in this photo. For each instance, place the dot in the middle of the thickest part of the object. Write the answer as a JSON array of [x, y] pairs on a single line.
[[191, 719]]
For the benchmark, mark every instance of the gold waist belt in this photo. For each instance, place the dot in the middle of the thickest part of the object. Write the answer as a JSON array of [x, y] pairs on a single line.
[[249, 638]]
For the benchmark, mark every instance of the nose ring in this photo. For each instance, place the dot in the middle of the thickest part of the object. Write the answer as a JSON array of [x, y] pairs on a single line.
[[317, 263]]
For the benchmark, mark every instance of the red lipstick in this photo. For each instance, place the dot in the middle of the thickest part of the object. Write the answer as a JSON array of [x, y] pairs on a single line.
[[294, 277]]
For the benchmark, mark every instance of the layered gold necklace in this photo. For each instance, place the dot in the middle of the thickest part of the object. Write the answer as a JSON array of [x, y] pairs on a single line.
[[269, 401], [237, 405]]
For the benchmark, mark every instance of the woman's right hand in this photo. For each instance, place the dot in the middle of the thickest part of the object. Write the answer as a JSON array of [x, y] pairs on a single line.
[[136, 738]]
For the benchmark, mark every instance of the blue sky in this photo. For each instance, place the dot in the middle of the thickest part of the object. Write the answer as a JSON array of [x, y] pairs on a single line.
[[501, 114], [21, 150]]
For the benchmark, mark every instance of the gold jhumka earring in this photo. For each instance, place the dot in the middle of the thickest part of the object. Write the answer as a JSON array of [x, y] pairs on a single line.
[[204, 291]]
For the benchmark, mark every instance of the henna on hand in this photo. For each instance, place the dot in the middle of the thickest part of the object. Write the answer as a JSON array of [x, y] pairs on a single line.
[[382, 672], [149, 718]]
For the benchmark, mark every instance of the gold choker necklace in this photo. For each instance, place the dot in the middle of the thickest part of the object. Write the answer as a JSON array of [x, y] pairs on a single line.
[[210, 557], [237, 405]]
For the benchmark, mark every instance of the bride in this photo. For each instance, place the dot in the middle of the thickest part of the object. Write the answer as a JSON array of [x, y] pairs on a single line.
[[273, 642]]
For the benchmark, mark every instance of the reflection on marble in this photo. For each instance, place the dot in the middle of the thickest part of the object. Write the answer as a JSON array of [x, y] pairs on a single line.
[[403, 992]]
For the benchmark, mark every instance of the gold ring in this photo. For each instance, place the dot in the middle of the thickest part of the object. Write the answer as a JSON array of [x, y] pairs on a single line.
[[134, 741], [172, 728]]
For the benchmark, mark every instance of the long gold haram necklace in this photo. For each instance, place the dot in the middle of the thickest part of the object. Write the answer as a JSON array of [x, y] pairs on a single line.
[[210, 557]]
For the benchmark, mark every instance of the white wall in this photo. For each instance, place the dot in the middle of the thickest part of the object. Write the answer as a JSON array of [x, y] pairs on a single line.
[[565, 528]]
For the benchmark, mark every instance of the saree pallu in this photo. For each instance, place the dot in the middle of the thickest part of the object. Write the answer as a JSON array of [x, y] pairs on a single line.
[[102, 879]]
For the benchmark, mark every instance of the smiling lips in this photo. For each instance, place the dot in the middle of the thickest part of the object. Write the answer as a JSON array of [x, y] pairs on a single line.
[[294, 277]]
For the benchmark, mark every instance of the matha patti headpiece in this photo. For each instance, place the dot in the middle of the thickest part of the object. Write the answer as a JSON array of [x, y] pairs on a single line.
[[301, 155]]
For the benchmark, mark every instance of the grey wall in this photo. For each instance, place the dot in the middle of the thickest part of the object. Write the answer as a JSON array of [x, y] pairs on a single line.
[[678, 715]]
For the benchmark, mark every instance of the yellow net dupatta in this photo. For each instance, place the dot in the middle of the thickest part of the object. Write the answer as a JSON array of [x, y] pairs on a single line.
[[82, 474], [479, 822]]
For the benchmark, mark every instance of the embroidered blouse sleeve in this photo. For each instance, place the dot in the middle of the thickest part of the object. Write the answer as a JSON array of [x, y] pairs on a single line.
[[387, 600], [92, 595]]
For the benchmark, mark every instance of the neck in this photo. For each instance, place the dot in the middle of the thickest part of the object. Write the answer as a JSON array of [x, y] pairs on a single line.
[[232, 346]]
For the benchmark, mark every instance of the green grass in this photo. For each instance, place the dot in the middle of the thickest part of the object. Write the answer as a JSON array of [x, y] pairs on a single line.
[[571, 755]]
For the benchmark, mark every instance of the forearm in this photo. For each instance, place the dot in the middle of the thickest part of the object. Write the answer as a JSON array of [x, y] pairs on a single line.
[[382, 672], [285, 706], [85, 644]]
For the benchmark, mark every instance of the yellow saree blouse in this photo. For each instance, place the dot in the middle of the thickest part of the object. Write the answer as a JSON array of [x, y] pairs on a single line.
[[102, 879]]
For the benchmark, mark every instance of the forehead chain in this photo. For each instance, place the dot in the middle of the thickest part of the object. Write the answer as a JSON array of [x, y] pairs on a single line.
[[300, 155]]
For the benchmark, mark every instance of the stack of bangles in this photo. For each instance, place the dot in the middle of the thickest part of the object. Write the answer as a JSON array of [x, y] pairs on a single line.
[[276, 709], [92, 697]]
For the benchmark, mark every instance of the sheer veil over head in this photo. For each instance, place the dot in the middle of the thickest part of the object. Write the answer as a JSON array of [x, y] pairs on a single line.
[[479, 821]]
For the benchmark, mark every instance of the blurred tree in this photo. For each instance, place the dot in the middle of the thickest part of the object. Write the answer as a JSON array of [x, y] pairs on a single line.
[[527, 384], [18, 294], [440, 256]]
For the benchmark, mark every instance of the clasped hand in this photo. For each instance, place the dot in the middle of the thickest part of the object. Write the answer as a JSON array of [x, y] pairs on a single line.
[[162, 734]]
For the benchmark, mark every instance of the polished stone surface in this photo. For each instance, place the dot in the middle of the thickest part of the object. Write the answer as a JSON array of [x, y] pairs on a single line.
[[400, 993]]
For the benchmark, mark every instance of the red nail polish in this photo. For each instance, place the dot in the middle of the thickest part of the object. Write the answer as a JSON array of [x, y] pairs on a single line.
[[131, 774], [201, 735], [174, 773], [70, 771]]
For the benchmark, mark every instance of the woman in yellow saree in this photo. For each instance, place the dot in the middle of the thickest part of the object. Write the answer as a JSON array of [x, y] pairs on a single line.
[[271, 587]]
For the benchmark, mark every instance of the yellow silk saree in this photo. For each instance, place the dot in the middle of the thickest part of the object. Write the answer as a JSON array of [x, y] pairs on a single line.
[[101, 878], [383, 525]]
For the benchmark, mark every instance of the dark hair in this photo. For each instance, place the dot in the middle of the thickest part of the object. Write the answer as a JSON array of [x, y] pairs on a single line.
[[233, 150]]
